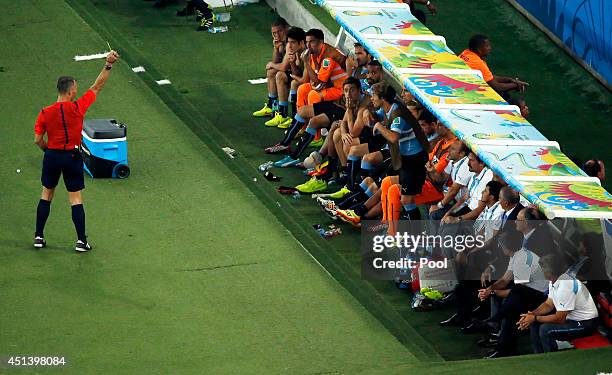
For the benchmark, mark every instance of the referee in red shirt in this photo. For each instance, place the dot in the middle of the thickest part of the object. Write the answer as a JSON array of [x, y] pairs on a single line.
[[62, 122]]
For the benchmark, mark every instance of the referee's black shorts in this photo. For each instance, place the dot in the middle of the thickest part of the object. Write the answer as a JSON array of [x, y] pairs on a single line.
[[66, 163], [330, 109], [412, 175]]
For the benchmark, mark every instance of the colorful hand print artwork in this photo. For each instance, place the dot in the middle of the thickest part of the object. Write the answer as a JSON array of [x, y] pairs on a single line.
[[454, 89]]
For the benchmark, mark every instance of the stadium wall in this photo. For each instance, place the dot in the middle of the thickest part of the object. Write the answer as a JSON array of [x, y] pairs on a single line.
[[581, 28]]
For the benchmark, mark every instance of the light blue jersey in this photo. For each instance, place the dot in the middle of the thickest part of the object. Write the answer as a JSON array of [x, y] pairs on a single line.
[[366, 88], [408, 142]]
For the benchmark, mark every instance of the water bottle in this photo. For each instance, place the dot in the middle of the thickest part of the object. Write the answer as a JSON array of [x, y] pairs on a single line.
[[332, 233], [319, 229], [217, 29], [223, 17], [265, 166]]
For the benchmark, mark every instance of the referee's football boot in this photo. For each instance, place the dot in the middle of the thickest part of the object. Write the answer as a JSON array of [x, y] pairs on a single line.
[[39, 242], [82, 247]]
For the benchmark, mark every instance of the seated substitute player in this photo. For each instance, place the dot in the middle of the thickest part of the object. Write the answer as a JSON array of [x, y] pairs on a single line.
[[356, 66], [404, 136], [355, 101], [322, 114], [279, 30], [356, 140], [333, 147], [324, 76], [432, 190], [286, 85]]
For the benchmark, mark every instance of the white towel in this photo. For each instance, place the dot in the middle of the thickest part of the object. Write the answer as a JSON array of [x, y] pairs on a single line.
[[96, 56], [257, 81]]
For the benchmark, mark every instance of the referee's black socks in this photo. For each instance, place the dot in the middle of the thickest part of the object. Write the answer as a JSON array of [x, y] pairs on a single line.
[[78, 218], [42, 214]]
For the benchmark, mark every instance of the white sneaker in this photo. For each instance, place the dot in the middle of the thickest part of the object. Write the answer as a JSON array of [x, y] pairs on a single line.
[[39, 242], [82, 247]]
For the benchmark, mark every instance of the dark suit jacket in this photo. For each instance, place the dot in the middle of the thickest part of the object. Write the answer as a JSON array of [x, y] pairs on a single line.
[[541, 241], [514, 212], [512, 216]]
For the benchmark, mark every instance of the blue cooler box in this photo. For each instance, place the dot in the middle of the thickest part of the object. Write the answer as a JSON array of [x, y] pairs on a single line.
[[104, 149]]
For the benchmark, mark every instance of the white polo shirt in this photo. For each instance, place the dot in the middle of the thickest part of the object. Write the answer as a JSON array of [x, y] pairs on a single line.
[[459, 172], [524, 266], [569, 294], [476, 186], [490, 219]]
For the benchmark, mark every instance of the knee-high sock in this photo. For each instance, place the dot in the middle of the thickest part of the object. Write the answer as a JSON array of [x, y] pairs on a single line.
[[366, 169], [271, 99], [307, 137], [394, 207], [283, 108], [365, 188], [385, 185], [293, 101], [352, 200], [296, 125], [411, 211], [78, 218], [354, 166], [361, 210], [358, 197], [42, 214]]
